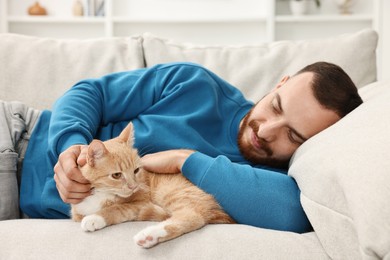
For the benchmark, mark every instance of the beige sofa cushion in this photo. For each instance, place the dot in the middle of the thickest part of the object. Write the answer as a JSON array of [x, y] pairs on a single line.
[[344, 176], [256, 69], [38, 70], [64, 239]]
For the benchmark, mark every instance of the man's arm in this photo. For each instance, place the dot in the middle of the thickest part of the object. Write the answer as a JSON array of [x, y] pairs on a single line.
[[252, 196], [95, 103], [79, 113], [90, 104]]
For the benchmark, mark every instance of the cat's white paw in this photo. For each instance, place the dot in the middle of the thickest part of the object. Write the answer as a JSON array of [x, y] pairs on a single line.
[[149, 236], [92, 223]]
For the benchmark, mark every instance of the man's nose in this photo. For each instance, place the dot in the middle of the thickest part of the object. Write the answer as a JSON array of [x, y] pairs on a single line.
[[268, 131]]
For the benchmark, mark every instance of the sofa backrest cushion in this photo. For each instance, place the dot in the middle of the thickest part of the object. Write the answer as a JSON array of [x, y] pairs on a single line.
[[255, 69], [36, 70], [344, 177]]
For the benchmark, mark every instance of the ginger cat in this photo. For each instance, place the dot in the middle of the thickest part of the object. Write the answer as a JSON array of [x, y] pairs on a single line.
[[123, 191]]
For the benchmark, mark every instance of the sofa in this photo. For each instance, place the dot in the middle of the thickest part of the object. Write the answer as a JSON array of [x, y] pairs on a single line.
[[343, 172]]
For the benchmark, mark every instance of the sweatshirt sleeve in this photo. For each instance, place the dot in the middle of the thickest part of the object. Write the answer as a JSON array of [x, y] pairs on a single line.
[[253, 196], [92, 103]]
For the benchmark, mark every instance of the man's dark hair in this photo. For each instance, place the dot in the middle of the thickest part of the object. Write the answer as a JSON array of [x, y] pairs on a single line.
[[333, 88]]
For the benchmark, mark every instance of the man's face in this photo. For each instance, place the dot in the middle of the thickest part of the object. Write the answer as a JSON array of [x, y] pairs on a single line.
[[279, 123]]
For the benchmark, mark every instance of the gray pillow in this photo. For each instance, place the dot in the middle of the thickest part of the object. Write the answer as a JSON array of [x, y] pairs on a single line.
[[256, 69], [38, 70], [344, 176]]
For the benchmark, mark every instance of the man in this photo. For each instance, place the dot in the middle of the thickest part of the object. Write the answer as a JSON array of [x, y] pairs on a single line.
[[188, 120]]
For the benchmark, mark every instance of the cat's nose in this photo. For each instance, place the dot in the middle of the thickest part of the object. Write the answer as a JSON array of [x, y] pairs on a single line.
[[132, 186]]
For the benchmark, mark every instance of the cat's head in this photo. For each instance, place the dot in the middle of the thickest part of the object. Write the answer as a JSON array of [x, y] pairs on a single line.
[[112, 165]]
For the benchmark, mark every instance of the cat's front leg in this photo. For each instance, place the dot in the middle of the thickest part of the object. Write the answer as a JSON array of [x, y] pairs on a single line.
[[181, 222], [93, 222], [150, 236], [114, 214], [77, 217]]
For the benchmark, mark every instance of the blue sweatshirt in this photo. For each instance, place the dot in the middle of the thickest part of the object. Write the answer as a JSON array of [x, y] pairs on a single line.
[[172, 106]]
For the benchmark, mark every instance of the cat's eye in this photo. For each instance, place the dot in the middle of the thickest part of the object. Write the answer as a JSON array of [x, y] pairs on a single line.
[[136, 170], [116, 175]]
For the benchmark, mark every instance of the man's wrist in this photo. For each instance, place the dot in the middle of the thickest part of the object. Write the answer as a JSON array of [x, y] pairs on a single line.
[[68, 140], [182, 155]]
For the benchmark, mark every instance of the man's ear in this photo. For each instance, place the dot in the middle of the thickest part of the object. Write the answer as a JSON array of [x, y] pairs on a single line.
[[281, 82]]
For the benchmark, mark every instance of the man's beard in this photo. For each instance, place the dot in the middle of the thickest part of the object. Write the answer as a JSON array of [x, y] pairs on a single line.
[[252, 156]]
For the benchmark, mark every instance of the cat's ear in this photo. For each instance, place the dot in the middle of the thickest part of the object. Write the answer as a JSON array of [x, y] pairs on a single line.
[[96, 150], [127, 134]]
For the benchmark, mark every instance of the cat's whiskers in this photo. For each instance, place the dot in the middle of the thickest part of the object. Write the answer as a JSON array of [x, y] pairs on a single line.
[[124, 192], [144, 187], [145, 150]]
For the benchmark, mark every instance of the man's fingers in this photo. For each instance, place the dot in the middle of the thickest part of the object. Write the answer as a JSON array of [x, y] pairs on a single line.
[[75, 175], [170, 161], [71, 191], [82, 158], [67, 161], [71, 184], [68, 171], [66, 181]]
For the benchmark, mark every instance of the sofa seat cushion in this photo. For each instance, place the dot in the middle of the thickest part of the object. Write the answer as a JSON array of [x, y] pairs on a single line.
[[64, 239], [38, 70], [344, 176], [256, 69]]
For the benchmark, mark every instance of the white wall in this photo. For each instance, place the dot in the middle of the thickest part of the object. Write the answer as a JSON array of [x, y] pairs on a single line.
[[236, 31], [385, 41]]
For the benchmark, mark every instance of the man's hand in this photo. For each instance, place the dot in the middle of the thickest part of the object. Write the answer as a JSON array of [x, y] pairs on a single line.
[[166, 162], [71, 184]]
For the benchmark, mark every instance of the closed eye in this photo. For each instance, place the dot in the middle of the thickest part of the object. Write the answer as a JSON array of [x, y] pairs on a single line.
[[293, 137], [275, 106], [136, 170]]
